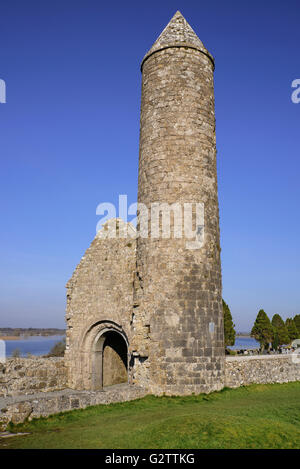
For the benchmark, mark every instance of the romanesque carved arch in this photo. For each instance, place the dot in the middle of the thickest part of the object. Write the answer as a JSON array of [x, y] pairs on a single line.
[[92, 348]]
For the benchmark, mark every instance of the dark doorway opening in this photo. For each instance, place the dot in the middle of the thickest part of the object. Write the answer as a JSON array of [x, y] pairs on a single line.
[[114, 359]]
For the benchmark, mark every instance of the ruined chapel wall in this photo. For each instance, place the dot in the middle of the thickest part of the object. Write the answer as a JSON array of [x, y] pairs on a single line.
[[99, 294]]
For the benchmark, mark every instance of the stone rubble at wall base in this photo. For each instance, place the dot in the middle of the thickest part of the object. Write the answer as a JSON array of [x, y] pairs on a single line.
[[49, 403]]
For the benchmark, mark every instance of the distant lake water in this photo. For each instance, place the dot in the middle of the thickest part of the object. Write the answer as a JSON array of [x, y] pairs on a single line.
[[35, 345], [245, 343]]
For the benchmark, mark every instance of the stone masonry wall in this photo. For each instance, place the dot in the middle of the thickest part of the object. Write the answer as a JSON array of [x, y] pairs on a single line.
[[19, 376], [239, 371], [242, 371]]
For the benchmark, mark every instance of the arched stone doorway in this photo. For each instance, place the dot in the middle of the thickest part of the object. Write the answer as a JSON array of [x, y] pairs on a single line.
[[110, 359]]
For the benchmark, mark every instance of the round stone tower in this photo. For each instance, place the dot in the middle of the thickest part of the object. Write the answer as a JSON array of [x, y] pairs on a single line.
[[177, 323]]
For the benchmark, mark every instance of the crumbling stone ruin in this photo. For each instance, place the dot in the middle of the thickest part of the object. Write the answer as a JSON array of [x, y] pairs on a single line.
[[147, 309]]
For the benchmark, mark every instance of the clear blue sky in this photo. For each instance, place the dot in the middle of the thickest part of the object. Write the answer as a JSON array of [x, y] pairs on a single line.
[[69, 141]]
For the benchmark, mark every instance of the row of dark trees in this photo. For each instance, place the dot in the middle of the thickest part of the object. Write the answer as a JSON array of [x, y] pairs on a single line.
[[266, 332], [275, 332]]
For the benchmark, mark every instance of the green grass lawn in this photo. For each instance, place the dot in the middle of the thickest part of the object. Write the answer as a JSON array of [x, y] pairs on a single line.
[[257, 416]]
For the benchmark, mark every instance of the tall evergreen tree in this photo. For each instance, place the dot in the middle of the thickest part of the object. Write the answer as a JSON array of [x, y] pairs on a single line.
[[297, 321], [229, 331], [292, 329], [262, 330], [275, 341], [280, 330]]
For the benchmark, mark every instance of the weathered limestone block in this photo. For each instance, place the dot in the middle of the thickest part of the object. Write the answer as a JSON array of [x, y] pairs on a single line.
[[20, 412]]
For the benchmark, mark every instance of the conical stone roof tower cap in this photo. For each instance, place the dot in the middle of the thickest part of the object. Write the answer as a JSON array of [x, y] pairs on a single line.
[[177, 33]]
